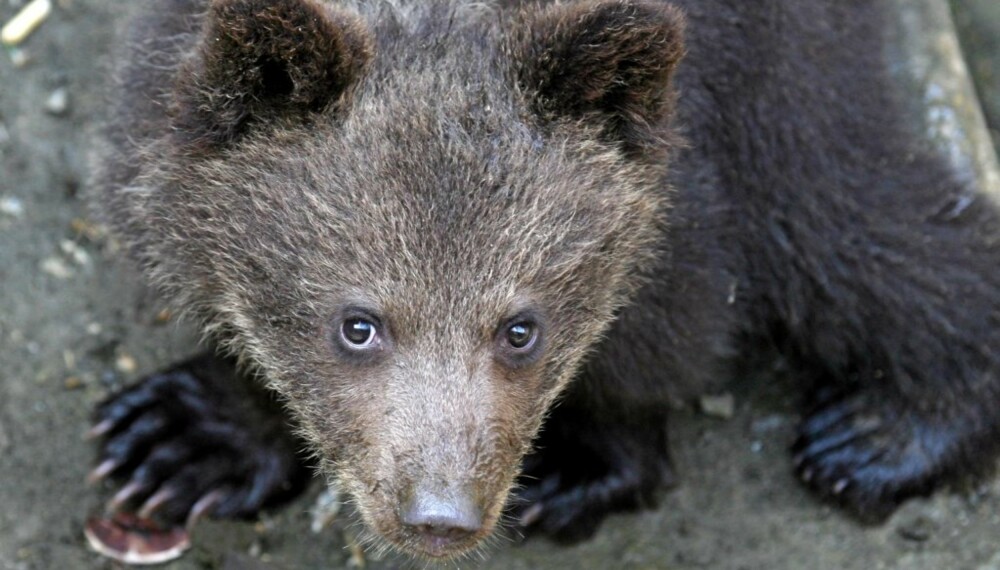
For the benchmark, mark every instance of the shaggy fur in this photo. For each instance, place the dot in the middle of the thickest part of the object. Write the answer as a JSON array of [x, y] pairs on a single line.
[[447, 168]]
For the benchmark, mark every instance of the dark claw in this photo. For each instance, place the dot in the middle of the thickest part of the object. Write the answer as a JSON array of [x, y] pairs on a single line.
[[204, 506], [568, 488], [125, 495], [541, 489], [196, 441], [531, 515], [833, 441], [100, 429], [823, 419], [104, 469], [153, 503], [868, 456]]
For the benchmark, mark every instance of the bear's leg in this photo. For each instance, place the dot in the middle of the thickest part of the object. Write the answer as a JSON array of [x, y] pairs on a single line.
[[900, 323], [868, 450], [899, 319], [587, 467], [197, 439]]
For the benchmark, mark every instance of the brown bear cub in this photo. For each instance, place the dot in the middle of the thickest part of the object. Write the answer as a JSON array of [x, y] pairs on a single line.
[[423, 223]]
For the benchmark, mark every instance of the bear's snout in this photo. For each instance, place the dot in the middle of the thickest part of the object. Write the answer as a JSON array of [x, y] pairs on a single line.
[[441, 521]]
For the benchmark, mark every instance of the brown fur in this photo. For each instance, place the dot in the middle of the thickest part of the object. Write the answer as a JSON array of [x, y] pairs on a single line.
[[444, 167], [266, 61], [311, 160]]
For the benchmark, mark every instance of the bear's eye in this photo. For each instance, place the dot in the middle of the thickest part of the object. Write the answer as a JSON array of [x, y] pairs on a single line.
[[521, 335], [520, 340], [358, 332]]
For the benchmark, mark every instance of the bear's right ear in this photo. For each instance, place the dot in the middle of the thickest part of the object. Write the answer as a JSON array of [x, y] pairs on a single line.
[[261, 60], [604, 60]]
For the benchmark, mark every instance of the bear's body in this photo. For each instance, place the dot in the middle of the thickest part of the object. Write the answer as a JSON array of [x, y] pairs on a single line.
[[478, 195]]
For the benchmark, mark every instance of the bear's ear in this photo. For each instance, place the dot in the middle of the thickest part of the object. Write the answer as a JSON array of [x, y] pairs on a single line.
[[260, 60], [607, 59]]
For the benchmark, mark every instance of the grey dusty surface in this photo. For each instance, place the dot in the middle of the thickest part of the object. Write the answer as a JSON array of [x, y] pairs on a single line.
[[74, 324]]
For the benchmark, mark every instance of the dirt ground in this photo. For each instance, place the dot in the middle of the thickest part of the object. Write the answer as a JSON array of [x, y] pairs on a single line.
[[74, 324]]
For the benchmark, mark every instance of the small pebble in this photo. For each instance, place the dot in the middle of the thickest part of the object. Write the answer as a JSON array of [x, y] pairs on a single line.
[[73, 383], [94, 329], [125, 364], [75, 252], [11, 206], [58, 102], [56, 268], [69, 359], [19, 57], [722, 406], [82, 227]]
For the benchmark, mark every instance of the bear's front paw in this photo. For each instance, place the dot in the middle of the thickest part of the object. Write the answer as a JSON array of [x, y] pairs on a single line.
[[185, 449], [865, 454], [568, 502]]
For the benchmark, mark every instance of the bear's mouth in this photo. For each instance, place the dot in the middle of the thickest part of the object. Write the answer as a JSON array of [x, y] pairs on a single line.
[[442, 548], [431, 546]]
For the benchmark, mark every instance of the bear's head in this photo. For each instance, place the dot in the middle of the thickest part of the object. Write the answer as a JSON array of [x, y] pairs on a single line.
[[416, 221]]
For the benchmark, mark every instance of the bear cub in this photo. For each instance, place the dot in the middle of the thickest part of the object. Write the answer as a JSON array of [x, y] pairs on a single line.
[[420, 225]]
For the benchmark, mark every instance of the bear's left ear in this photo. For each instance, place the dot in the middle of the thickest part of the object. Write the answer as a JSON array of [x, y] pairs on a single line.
[[607, 59], [267, 60]]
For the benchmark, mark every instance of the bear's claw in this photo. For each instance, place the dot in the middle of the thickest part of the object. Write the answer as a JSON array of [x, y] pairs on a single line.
[[567, 498], [868, 456], [184, 449], [570, 513]]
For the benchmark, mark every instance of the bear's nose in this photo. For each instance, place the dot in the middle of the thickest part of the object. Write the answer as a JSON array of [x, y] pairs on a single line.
[[442, 520]]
